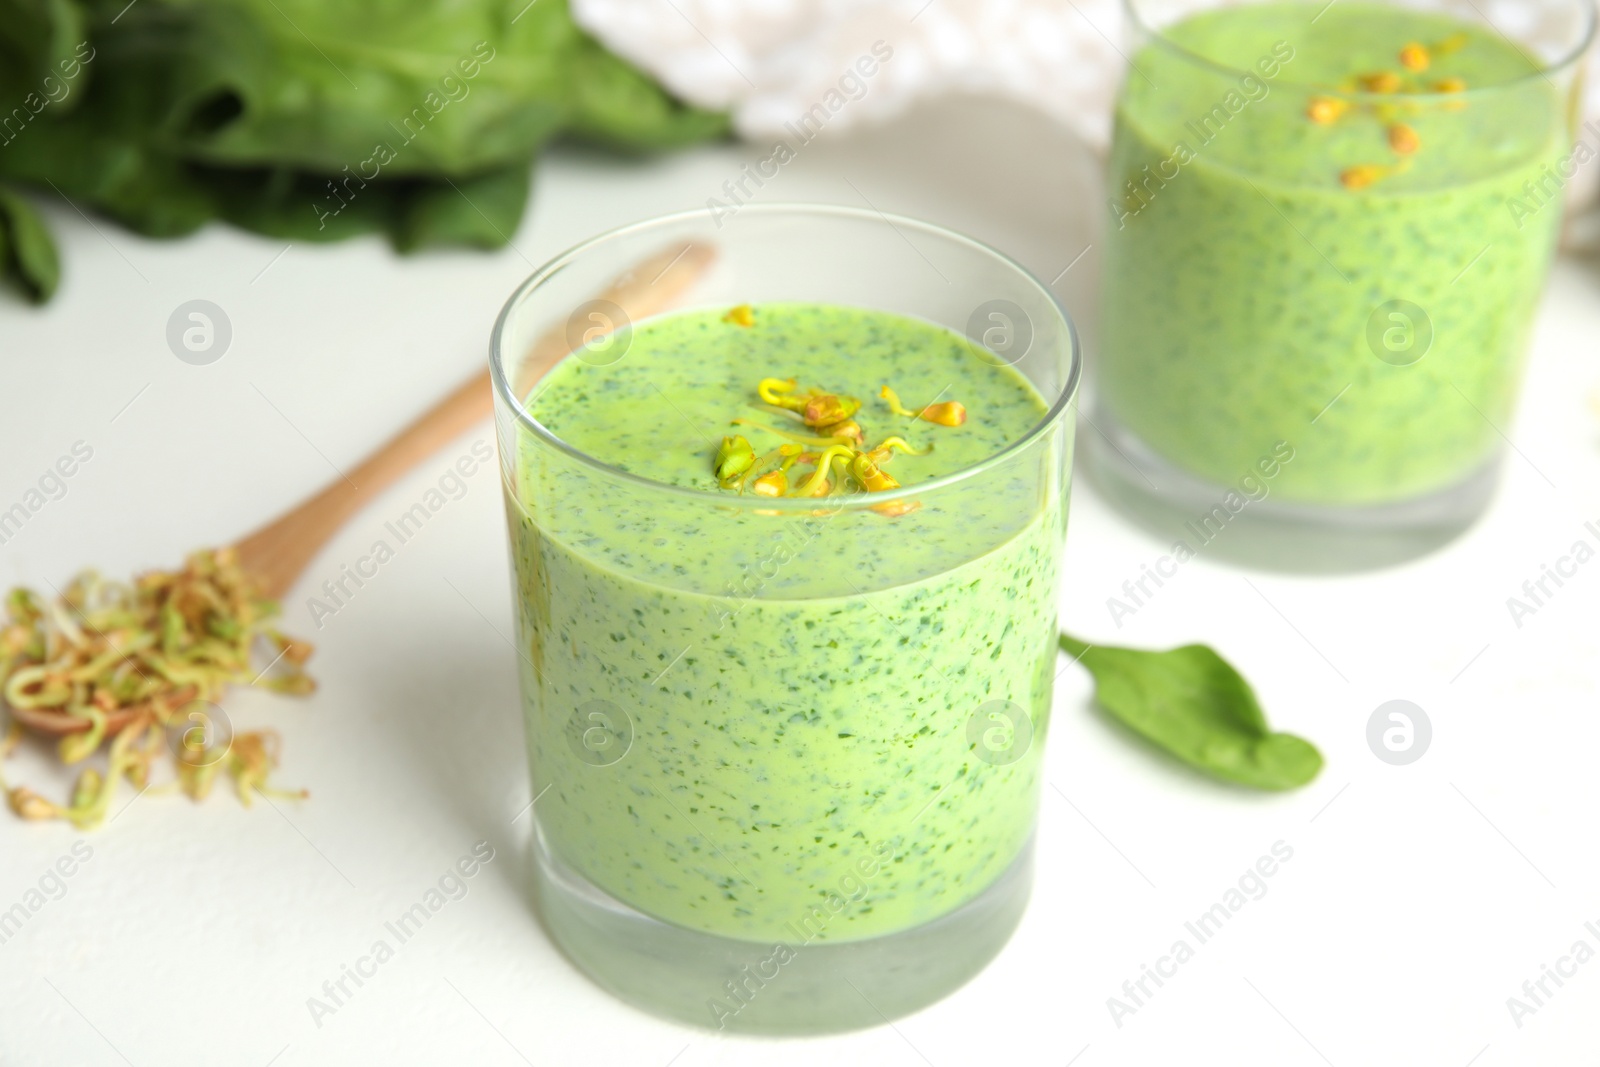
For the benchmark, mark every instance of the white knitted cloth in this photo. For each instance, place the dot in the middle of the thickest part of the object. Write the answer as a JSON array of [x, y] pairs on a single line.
[[772, 61]]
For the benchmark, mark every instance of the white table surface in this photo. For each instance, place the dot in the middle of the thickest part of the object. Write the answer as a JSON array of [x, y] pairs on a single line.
[[1418, 899]]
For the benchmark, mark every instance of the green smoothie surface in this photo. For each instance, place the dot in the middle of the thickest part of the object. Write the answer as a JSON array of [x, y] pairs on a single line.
[[1337, 58], [659, 411]]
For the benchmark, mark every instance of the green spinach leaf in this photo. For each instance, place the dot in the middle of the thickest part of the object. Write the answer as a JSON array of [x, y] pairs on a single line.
[[27, 255], [309, 120], [1194, 704]]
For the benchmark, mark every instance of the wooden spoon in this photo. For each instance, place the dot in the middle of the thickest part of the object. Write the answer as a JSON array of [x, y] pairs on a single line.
[[278, 553]]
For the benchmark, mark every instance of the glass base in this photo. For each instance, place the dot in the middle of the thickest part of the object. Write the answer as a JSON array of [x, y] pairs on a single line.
[[722, 983], [1274, 534]]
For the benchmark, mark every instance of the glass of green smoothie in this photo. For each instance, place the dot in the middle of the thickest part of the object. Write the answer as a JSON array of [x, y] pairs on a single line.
[[787, 495], [1330, 225]]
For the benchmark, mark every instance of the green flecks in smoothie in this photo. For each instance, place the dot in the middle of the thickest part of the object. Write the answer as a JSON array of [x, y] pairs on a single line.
[[1253, 264], [796, 687]]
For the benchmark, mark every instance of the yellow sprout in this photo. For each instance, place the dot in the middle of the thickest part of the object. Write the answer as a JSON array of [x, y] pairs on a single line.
[[873, 478], [1383, 81], [949, 413], [30, 805], [1403, 139], [827, 409], [1363, 176], [734, 457], [818, 483], [898, 444], [773, 390], [772, 483], [819, 442], [1326, 110], [847, 430], [894, 403]]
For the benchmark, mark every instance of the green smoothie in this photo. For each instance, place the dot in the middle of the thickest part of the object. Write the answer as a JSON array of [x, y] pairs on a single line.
[[1314, 242], [757, 722]]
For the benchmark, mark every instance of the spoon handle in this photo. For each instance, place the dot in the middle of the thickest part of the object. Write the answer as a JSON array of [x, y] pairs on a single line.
[[278, 553]]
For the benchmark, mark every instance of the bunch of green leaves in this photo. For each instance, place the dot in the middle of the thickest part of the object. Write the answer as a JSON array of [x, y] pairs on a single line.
[[304, 119]]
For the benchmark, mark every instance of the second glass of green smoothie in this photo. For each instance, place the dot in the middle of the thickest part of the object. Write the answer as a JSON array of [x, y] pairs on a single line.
[[787, 558], [1330, 225]]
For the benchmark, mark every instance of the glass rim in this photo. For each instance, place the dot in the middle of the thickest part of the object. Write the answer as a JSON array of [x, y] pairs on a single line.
[[852, 500], [1591, 19]]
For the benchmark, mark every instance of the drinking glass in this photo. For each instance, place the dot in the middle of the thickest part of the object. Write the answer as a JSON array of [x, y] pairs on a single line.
[[775, 843], [1319, 290]]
